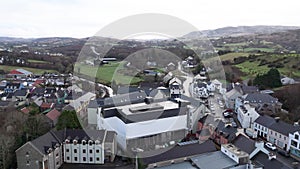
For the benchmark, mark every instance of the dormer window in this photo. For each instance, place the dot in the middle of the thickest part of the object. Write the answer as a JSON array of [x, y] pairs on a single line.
[[75, 142], [97, 142], [297, 136], [67, 141], [83, 142], [90, 142]]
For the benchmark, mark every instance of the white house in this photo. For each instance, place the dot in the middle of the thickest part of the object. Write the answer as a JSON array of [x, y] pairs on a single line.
[[246, 115], [294, 144]]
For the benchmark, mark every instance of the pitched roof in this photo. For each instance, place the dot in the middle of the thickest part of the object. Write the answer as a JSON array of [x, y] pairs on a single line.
[[265, 120], [182, 151], [284, 128], [50, 139], [262, 159], [260, 98], [244, 143], [22, 92], [53, 114], [46, 105]]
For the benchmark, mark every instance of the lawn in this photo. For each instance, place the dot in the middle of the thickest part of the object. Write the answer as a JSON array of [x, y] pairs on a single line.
[[7, 68], [36, 61], [108, 72]]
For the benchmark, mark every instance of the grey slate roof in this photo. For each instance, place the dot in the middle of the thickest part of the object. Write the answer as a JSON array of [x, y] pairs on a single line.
[[260, 98], [50, 139], [284, 128], [205, 161], [21, 92], [262, 158], [181, 152], [265, 120], [245, 144]]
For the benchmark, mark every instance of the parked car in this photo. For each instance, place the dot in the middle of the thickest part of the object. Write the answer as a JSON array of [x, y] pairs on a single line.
[[270, 146], [227, 114], [283, 153]]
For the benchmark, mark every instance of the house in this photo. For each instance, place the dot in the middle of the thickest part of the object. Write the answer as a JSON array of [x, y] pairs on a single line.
[[287, 80], [80, 103], [260, 157], [230, 97], [52, 149], [263, 103], [294, 144], [224, 134], [278, 133], [201, 90], [206, 127], [175, 86], [12, 87], [19, 73], [246, 115], [179, 153], [218, 84], [20, 95], [53, 115], [46, 106], [262, 124]]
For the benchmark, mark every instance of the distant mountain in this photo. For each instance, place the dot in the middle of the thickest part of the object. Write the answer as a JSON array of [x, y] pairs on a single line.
[[240, 31]]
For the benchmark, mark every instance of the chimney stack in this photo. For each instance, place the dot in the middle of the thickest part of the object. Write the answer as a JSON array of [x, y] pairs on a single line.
[[277, 119]]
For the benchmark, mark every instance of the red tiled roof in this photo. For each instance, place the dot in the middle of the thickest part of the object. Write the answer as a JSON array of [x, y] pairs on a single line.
[[15, 72], [37, 82], [46, 105], [25, 110], [53, 114]]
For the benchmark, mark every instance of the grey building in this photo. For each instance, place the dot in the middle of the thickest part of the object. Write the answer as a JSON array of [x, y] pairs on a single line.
[[49, 151]]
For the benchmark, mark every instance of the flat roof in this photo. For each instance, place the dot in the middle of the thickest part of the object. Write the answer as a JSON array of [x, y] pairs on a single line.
[[205, 161]]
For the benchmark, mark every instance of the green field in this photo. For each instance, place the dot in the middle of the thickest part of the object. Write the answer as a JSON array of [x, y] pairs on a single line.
[[288, 61], [36, 61], [33, 70], [108, 72], [259, 49], [231, 56]]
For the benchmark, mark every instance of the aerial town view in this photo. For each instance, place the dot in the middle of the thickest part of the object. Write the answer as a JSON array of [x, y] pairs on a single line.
[[88, 84]]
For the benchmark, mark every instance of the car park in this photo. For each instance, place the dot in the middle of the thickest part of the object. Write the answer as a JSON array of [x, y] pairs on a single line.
[[270, 146]]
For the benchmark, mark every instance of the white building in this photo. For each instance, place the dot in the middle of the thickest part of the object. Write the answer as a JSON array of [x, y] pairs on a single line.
[[294, 144], [54, 148], [246, 115], [262, 124], [144, 124]]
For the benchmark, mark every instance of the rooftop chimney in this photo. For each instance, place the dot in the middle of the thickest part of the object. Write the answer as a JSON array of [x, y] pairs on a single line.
[[277, 119]]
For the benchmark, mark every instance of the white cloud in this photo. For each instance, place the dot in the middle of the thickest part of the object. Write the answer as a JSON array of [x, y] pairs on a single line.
[[81, 18]]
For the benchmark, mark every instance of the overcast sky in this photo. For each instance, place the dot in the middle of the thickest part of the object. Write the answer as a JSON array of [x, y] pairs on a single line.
[[83, 18]]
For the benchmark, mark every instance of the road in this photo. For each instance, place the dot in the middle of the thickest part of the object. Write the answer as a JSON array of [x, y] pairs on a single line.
[[188, 81]]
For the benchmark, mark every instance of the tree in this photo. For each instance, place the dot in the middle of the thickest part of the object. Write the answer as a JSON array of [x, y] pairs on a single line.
[[68, 119], [269, 80]]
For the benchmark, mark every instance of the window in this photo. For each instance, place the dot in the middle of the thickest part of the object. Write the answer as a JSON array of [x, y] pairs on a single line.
[[91, 151], [294, 143], [275, 134], [67, 150], [57, 163], [271, 132], [56, 155], [28, 162], [75, 158], [296, 136], [91, 159], [279, 135], [97, 151], [84, 151], [84, 158], [98, 159], [75, 150], [27, 154], [68, 158]]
